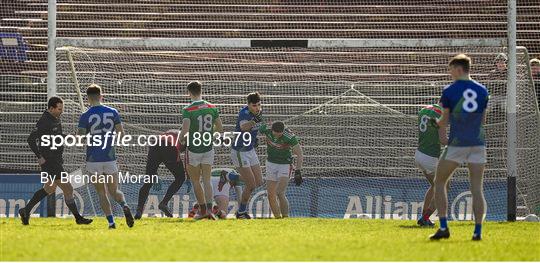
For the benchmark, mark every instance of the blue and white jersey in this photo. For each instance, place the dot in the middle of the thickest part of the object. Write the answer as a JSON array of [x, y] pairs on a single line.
[[240, 145], [98, 120], [467, 101]]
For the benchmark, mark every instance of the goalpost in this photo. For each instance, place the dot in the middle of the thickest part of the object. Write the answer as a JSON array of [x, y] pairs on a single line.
[[353, 103]]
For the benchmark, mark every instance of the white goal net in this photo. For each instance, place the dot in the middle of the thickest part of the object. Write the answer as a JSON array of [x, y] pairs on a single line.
[[354, 110]]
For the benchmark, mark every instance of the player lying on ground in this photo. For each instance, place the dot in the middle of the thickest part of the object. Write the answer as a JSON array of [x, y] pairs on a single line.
[[243, 154], [281, 144], [200, 120], [427, 155], [464, 102], [100, 120], [50, 161], [222, 181], [168, 153]]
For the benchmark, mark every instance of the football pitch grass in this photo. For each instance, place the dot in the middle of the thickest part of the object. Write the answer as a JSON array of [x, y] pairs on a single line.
[[294, 239]]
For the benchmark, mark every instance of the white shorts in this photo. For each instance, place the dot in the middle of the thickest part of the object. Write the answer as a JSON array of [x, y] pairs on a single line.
[[274, 171], [425, 163], [195, 159], [244, 159], [465, 154], [102, 167], [224, 191]]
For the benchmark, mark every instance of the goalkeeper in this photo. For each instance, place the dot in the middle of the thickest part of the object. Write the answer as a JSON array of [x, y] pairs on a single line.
[[168, 153], [427, 155], [281, 144]]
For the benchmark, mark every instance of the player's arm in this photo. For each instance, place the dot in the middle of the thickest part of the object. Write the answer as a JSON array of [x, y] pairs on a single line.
[[119, 128], [218, 126], [246, 126], [41, 128], [297, 150], [443, 123], [247, 123], [82, 126], [445, 118], [186, 122]]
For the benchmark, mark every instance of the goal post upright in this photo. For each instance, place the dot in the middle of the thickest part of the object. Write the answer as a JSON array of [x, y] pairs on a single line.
[[51, 77], [511, 111], [51, 48]]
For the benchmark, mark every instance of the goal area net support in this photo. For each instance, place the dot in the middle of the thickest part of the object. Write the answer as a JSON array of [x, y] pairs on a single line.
[[352, 104]]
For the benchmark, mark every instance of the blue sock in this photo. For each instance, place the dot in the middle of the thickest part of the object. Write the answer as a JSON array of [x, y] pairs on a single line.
[[478, 229], [444, 223], [110, 218], [233, 177], [242, 208]]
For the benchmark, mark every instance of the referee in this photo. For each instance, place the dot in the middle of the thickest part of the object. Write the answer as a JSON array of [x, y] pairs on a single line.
[[50, 161]]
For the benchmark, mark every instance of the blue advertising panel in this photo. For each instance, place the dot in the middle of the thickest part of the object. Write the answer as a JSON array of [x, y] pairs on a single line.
[[335, 197]]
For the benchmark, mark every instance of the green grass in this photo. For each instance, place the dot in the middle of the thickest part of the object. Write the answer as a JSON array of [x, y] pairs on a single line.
[[262, 240]]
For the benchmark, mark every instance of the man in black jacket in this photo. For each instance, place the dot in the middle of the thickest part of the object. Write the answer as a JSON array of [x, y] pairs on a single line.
[[51, 161]]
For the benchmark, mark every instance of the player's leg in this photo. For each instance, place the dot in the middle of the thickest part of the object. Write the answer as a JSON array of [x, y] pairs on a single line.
[[255, 167], [111, 169], [476, 177], [450, 160], [118, 195], [221, 197], [476, 165], [48, 188], [246, 175], [222, 203], [247, 164], [104, 203], [429, 201], [195, 176], [271, 189], [206, 174], [177, 169], [194, 172], [152, 166], [282, 197], [427, 165], [67, 189]]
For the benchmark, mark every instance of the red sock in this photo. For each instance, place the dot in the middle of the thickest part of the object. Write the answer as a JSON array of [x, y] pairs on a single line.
[[427, 214]]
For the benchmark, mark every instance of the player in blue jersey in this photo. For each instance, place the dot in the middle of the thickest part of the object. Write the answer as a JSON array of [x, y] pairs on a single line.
[[464, 105], [101, 122], [243, 154]]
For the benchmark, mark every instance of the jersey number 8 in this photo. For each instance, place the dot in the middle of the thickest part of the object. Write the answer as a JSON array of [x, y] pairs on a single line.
[[423, 123], [469, 100]]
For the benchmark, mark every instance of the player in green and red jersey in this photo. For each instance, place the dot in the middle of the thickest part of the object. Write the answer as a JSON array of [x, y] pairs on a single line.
[[427, 155], [281, 144], [200, 120]]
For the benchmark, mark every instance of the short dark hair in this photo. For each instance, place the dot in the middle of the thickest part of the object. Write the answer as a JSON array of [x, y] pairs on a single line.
[[94, 90], [253, 97], [278, 126], [501, 57], [54, 101], [462, 61], [194, 88]]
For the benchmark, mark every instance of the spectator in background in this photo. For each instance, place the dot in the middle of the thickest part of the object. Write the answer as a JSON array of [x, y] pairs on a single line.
[[499, 72], [496, 84], [535, 71]]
